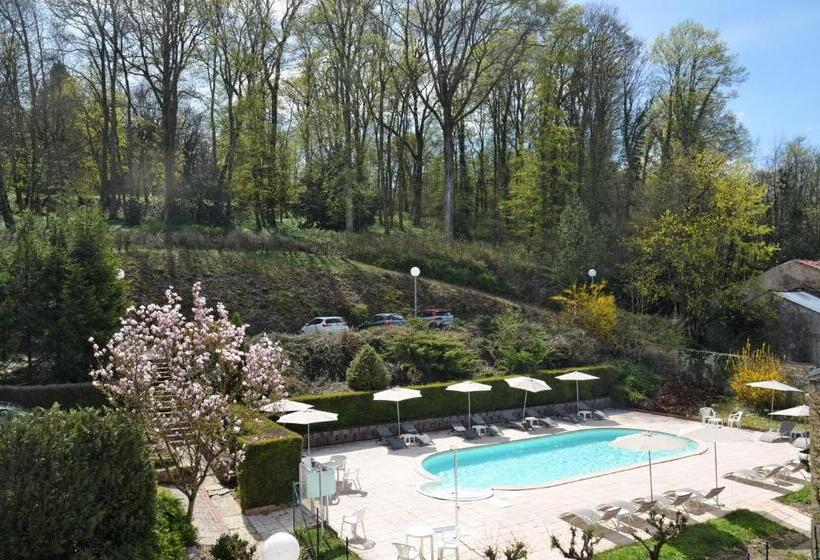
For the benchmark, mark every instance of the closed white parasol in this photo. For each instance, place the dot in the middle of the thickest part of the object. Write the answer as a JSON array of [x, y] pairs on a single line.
[[396, 395], [577, 376], [308, 417], [528, 385], [648, 442], [469, 387]]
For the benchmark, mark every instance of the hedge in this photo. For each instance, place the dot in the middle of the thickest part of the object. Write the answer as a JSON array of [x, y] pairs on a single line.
[[357, 408], [67, 395], [75, 484], [271, 465]]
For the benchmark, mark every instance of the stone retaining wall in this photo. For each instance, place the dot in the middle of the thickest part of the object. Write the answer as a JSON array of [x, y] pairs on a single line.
[[362, 433]]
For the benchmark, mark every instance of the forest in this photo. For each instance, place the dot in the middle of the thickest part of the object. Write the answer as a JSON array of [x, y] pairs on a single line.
[[542, 126]]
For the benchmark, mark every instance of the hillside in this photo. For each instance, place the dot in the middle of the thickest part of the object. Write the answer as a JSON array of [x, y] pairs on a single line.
[[279, 291]]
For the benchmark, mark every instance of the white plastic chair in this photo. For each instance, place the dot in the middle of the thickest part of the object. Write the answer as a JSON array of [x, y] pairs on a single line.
[[449, 542], [735, 419], [406, 552], [350, 478], [354, 521], [706, 413]]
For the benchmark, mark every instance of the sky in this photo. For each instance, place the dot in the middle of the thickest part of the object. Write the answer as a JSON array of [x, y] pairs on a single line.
[[778, 41]]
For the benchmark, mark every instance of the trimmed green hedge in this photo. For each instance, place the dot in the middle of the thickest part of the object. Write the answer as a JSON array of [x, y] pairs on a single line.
[[67, 395], [75, 484], [271, 465], [357, 408]]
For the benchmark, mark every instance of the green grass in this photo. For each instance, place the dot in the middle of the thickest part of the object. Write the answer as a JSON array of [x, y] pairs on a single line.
[[706, 539], [751, 418], [798, 497], [331, 546]]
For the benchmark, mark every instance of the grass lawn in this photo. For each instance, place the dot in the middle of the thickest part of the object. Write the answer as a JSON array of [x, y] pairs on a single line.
[[751, 418], [802, 496], [331, 546], [704, 540]]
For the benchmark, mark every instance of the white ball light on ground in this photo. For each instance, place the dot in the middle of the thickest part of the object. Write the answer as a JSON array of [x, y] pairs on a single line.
[[280, 546]]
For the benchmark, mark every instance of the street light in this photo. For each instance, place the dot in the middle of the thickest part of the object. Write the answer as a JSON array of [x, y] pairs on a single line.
[[280, 546], [415, 272], [592, 274]]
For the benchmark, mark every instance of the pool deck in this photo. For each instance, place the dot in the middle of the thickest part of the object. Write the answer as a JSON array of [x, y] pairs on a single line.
[[392, 504]]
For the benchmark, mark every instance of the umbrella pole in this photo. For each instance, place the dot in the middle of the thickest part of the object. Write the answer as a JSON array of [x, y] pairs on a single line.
[[455, 480], [469, 412], [771, 410], [398, 419], [716, 469], [308, 440], [577, 397], [651, 489], [524, 412]]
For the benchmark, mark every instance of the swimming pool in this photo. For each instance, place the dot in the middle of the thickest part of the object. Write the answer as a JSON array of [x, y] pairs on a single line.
[[542, 461]]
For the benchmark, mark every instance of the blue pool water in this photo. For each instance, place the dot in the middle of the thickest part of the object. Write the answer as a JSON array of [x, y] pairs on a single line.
[[541, 460]]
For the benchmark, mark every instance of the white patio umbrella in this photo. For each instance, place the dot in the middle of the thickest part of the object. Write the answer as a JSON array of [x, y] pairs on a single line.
[[396, 395], [306, 418], [528, 385], [469, 387], [715, 435], [285, 405], [773, 386], [577, 376], [649, 442], [801, 411]]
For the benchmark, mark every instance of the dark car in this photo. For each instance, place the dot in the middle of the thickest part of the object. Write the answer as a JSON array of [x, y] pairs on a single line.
[[383, 320], [437, 318]]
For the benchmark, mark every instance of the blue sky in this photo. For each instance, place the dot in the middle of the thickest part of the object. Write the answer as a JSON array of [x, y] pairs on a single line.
[[778, 41]]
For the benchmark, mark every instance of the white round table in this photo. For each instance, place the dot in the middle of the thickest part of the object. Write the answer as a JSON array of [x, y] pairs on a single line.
[[420, 532]]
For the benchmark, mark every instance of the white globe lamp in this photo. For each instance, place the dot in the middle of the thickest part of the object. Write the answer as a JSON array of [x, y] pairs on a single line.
[[280, 546], [415, 272], [592, 274]]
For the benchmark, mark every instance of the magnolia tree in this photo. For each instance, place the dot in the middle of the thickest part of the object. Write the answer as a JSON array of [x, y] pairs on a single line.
[[179, 377]]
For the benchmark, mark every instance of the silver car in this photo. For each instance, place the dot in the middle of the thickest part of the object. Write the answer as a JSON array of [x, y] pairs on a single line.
[[437, 318], [325, 325]]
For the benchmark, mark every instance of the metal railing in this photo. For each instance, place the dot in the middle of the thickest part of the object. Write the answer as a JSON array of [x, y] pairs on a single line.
[[315, 537]]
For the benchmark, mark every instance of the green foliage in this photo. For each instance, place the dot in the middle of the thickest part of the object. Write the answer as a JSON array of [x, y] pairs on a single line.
[[592, 308], [798, 497], [75, 483], [232, 547], [708, 235], [639, 383], [754, 365], [67, 395], [520, 346], [705, 540], [173, 530], [421, 354], [357, 408], [327, 543], [315, 356], [59, 288], [367, 371], [272, 455]]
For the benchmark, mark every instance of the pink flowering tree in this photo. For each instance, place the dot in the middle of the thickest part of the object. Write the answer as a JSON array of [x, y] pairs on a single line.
[[179, 376]]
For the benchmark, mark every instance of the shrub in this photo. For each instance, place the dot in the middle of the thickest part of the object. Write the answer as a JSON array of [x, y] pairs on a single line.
[[132, 212], [420, 354], [233, 547], [271, 465], [173, 530], [520, 346], [67, 395], [75, 484], [367, 372], [639, 383], [321, 356], [591, 308], [754, 364]]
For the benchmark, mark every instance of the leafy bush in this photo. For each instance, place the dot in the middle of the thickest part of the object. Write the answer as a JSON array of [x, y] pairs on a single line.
[[315, 356], [233, 547], [521, 347], [173, 530], [367, 372], [421, 354], [271, 465], [639, 383], [75, 484], [132, 212], [755, 364], [67, 395], [591, 308]]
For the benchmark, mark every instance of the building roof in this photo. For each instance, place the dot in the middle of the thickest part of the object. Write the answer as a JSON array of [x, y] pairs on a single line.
[[803, 299]]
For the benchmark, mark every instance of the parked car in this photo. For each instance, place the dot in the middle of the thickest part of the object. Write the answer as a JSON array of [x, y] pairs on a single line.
[[383, 320], [325, 325], [437, 318]]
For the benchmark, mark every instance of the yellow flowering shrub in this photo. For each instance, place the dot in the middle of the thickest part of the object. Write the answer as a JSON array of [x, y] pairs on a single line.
[[592, 308], [755, 364]]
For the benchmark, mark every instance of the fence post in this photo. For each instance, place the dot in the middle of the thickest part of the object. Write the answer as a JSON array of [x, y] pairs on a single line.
[[347, 548]]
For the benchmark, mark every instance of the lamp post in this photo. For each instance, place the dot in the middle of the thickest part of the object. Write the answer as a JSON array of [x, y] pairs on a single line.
[[415, 272], [280, 546], [592, 274]]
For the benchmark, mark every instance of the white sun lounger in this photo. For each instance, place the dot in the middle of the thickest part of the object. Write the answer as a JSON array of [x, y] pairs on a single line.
[[630, 511], [767, 474], [589, 517]]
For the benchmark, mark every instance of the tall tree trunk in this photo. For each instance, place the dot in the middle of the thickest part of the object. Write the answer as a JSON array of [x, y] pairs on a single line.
[[449, 175], [5, 206]]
